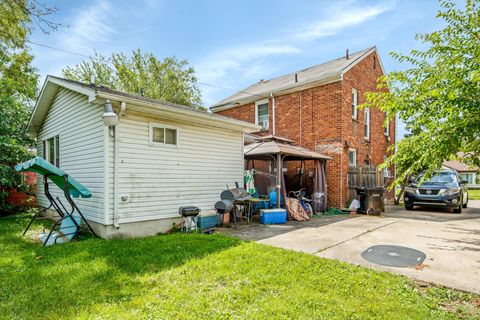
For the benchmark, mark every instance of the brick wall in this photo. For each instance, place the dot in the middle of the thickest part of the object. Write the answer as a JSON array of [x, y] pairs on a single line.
[[320, 118]]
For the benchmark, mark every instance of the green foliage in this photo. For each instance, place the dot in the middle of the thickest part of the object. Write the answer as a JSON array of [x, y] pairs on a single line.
[[197, 276], [143, 74], [438, 97], [18, 88]]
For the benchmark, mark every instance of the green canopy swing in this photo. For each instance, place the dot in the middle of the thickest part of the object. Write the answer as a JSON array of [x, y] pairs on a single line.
[[69, 224]]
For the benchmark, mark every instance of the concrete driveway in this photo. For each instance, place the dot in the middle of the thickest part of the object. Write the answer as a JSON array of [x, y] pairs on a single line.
[[450, 241]]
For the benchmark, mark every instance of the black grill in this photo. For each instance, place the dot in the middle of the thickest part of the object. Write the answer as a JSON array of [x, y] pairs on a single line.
[[188, 211], [433, 192]]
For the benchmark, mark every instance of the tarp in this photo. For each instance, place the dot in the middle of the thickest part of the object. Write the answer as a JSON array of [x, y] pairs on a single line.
[[319, 187], [56, 175]]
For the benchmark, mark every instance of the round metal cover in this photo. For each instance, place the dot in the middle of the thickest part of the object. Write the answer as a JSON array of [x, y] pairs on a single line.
[[393, 256]]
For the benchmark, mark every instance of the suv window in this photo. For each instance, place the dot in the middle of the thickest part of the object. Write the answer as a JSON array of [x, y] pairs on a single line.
[[442, 177]]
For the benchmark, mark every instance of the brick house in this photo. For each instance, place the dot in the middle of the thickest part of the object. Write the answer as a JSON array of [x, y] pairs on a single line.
[[316, 108]]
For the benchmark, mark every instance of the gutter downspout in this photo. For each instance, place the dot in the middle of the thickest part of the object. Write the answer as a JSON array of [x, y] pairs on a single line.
[[116, 221], [273, 113]]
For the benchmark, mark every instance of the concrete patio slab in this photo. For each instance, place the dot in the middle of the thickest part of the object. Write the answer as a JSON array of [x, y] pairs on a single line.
[[312, 240], [450, 241]]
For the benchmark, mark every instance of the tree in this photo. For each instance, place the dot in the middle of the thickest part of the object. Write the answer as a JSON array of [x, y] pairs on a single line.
[[18, 88], [438, 97], [170, 80]]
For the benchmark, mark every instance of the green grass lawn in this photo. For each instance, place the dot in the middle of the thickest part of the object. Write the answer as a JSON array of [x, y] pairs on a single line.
[[474, 194], [193, 276]]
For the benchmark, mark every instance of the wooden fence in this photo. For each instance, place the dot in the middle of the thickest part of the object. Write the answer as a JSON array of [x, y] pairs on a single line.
[[367, 176]]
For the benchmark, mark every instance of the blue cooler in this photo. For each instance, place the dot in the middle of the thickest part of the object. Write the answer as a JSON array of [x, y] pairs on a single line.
[[273, 216], [208, 220]]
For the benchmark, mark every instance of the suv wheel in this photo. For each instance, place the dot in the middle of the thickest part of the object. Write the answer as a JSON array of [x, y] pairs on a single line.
[[465, 205], [459, 209], [407, 207]]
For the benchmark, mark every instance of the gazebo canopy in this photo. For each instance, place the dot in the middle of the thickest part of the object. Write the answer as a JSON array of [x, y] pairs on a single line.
[[269, 146]]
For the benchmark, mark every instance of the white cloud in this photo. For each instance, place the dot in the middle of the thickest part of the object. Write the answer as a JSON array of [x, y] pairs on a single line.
[[88, 27], [340, 16], [233, 66]]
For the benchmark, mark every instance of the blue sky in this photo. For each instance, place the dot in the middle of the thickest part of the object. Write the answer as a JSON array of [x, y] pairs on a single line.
[[233, 44]]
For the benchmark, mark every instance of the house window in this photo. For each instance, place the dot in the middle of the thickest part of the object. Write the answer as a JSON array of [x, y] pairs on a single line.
[[387, 125], [51, 150], [163, 135], [366, 113], [352, 157], [261, 113], [467, 177], [354, 103]]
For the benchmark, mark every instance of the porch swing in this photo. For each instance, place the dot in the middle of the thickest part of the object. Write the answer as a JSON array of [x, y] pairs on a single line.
[[67, 227]]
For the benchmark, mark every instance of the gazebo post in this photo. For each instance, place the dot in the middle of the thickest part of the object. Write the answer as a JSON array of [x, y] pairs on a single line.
[[279, 177]]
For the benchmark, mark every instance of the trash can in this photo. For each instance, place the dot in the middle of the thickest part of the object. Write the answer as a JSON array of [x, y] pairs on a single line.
[[375, 203], [362, 198], [371, 200]]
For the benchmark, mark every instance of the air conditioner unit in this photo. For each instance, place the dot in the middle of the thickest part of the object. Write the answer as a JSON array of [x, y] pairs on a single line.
[[386, 173], [264, 123]]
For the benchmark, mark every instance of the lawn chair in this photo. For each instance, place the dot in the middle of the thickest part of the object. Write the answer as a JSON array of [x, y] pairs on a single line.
[[69, 219], [69, 227]]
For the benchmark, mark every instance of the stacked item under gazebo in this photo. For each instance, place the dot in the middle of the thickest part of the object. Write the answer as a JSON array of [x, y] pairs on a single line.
[[278, 150]]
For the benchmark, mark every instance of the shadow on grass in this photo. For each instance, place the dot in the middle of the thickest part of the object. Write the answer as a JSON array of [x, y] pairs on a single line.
[[41, 281]]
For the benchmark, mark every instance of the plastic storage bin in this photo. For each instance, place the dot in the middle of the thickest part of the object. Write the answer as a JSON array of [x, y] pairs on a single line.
[[273, 216]]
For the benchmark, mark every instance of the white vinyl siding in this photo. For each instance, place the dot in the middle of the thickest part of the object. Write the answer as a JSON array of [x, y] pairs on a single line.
[[79, 126], [157, 180]]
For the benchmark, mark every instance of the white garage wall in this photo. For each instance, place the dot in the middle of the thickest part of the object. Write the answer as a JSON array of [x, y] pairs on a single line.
[[80, 127], [158, 179]]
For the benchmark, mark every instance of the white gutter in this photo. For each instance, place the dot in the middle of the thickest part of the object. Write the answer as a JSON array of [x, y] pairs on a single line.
[[158, 106], [273, 113], [116, 162]]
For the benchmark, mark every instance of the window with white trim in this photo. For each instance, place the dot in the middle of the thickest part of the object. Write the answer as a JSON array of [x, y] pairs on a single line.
[[51, 150], [467, 177], [366, 113], [352, 157], [387, 125], [163, 135], [261, 113], [354, 103]]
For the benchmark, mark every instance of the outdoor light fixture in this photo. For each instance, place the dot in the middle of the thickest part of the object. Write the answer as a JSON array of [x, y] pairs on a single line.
[[110, 118]]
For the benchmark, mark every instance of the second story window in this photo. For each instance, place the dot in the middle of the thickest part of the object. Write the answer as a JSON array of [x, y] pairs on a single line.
[[367, 123], [354, 103], [261, 113], [387, 126]]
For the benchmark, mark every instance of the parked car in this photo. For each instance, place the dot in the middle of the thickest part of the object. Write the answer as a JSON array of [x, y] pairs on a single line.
[[443, 189]]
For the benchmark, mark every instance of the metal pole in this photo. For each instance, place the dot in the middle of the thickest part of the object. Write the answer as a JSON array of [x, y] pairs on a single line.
[[279, 177]]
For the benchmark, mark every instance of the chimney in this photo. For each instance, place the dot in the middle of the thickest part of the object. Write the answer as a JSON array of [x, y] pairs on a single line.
[[92, 78], [296, 77], [346, 55]]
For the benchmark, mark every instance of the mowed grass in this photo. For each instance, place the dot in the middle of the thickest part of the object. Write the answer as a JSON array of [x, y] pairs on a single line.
[[194, 276], [474, 194]]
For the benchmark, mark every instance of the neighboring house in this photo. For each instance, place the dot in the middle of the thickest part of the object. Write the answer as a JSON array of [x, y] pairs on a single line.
[[317, 108], [467, 173], [159, 157]]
